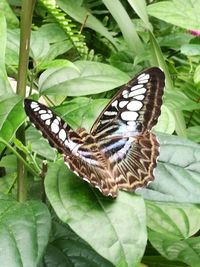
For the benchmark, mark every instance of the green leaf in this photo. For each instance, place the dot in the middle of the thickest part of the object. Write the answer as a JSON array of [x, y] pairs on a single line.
[[171, 226], [178, 171], [11, 116], [125, 24], [68, 249], [81, 111], [52, 32], [186, 250], [166, 122], [179, 221], [39, 144], [190, 50], [177, 100], [90, 78], [115, 228], [193, 133], [7, 181], [11, 18], [5, 87], [140, 8], [197, 75], [175, 40], [39, 46], [12, 47], [81, 14], [182, 13], [24, 231], [57, 63]]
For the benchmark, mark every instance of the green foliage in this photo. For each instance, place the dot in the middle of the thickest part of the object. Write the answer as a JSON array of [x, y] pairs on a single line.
[[68, 40], [66, 24], [24, 231]]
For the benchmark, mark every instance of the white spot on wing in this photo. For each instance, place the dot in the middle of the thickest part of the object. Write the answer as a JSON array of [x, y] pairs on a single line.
[[54, 128], [36, 109], [144, 76], [134, 105], [143, 81], [129, 115], [114, 104], [122, 104], [135, 87], [125, 92], [42, 111], [65, 125], [139, 97], [48, 122], [56, 121], [131, 123], [141, 76], [34, 105], [137, 92], [110, 113], [62, 135], [45, 116]]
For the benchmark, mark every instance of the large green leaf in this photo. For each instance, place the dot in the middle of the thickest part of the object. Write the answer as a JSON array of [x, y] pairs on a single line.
[[66, 249], [24, 231], [88, 78], [171, 226], [182, 13], [116, 229], [11, 116], [178, 171]]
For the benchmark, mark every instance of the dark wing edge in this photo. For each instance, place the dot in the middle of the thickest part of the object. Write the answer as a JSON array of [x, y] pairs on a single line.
[[52, 127], [149, 112]]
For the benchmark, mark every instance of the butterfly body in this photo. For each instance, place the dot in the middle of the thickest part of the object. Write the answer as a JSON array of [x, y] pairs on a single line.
[[120, 151]]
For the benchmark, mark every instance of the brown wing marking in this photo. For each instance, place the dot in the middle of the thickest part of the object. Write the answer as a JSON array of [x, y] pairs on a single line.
[[136, 168]]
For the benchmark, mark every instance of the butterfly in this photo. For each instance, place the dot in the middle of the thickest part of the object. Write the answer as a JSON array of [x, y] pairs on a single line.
[[120, 151]]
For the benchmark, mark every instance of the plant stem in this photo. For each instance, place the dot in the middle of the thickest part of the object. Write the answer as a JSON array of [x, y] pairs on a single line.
[[26, 20], [19, 157]]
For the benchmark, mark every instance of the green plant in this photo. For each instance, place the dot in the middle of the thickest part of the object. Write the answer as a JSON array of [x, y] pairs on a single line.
[[75, 225]]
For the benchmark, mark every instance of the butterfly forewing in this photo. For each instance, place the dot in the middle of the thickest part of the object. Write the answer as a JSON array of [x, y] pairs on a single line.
[[53, 128], [135, 108], [120, 152]]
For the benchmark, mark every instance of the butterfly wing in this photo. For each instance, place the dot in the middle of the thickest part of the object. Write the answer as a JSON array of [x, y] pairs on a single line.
[[53, 128], [81, 153], [123, 130], [120, 151], [135, 108]]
